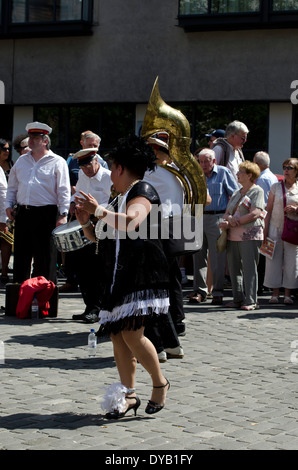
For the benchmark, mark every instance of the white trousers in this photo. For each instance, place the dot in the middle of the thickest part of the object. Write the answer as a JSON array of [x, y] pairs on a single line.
[[282, 270]]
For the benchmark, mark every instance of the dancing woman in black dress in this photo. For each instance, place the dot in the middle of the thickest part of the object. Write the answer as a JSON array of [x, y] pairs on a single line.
[[137, 278]]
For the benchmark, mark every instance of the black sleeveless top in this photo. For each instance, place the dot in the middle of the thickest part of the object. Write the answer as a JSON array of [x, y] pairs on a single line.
[[142, 265]]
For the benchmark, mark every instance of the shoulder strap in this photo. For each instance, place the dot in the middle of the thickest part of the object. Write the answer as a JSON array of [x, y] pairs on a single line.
[[284, 193], [222, 143]]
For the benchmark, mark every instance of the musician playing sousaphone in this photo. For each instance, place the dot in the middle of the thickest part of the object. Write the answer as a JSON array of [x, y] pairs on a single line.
[[180, 183]]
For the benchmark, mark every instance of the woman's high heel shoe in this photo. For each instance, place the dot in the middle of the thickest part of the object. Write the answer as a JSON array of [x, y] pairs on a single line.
[[154, 407], [116, 414]]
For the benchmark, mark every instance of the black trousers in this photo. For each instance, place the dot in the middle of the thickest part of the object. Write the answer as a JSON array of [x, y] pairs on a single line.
[[176, 296], [34, 251], [163, 332], [89, 275]]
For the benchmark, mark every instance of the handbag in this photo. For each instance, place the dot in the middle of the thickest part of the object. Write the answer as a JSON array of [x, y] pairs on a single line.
[[290, 230], [181, 234], [221, 242]]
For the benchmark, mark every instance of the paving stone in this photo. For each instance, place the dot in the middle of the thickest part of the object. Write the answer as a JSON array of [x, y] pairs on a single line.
[[235, 388]]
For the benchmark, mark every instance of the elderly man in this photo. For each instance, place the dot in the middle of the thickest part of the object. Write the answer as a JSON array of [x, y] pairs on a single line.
[[221, 184], [39, 185], [266, 178], [96, 180], [228, 150]]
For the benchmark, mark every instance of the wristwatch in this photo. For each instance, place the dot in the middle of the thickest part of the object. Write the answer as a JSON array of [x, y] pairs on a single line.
[[64, 214]]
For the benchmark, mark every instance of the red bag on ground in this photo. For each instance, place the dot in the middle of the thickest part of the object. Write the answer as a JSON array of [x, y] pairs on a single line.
[[39, 286]]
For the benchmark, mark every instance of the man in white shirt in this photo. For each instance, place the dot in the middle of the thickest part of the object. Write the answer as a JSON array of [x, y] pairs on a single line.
[[266, 178], [39, 185], [171, 194], [96, 180], [228, 150]]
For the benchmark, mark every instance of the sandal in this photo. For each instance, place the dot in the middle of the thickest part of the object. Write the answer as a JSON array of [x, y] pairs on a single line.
[[274, 300], [250, 307], [196, 299], [154, 407], [288, 301]]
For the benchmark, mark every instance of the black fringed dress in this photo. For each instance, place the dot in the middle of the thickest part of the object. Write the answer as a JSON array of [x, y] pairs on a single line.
[[136, 272]]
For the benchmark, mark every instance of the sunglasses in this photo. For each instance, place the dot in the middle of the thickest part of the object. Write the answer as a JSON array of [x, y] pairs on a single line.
[[288, 168]]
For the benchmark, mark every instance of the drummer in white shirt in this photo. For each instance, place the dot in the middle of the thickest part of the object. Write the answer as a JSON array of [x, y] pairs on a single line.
[[39, 185], [96, 180]]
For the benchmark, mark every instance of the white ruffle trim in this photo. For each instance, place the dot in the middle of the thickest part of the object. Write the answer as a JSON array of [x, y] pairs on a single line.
[[137, 304], [114, 398]]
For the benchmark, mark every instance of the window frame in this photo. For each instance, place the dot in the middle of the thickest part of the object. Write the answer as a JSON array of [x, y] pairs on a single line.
[[266, 17], [9, 30]]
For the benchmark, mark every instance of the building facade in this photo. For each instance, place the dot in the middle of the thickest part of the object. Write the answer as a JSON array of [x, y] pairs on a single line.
[[91, 64]]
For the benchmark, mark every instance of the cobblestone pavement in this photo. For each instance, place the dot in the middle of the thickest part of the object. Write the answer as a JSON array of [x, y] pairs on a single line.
[[235, 388]]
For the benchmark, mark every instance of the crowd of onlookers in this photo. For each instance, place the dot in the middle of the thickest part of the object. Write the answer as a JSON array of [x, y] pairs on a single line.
[[250, 204]]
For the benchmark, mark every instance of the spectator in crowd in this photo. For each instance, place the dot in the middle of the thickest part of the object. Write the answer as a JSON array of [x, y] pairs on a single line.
[[214, 135], [265, 181], [266, 178], [282, 269], [221, 185], [228, 150], [244, 220]]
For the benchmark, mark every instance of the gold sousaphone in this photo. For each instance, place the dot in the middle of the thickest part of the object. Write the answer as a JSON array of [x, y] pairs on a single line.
[[159, 117]]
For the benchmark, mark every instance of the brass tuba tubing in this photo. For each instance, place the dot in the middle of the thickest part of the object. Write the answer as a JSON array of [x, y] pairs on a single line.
[[160, 116], [8, 237]]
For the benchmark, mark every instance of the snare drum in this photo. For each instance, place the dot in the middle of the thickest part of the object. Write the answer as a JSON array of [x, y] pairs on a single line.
[[70, 237]]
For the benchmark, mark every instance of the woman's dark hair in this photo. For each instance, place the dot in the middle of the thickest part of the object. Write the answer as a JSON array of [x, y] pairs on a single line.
[[3, 142], [134, 154]]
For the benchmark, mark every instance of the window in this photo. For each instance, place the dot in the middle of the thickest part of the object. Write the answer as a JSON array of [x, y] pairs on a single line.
[[37, 11], [204, 7], [285, 5], [202, 15], [109, 121], [45, 17]]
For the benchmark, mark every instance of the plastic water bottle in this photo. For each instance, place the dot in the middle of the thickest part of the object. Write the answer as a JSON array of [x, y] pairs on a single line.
[[34, 309], [92, 343]]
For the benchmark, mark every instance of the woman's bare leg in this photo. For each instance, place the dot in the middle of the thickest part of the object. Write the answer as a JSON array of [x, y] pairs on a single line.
[[125, 361], [144, 351]]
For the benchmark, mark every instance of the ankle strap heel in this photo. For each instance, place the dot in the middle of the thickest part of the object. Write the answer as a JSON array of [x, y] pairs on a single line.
[[152, 406]]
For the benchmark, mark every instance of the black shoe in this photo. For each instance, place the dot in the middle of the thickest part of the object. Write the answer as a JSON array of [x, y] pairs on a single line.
[[86, 317], [91, 317], [154, 407], [117, 414], [180, 329], [217, 300]]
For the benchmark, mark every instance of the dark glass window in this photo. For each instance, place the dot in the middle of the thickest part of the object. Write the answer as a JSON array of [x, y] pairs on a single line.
[[110, 122], [204, 7], [284, 5], [37, 18], [202, 15], [38, 11]]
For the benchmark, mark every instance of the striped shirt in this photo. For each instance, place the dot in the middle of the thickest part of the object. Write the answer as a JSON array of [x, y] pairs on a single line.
[[221, 185]]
